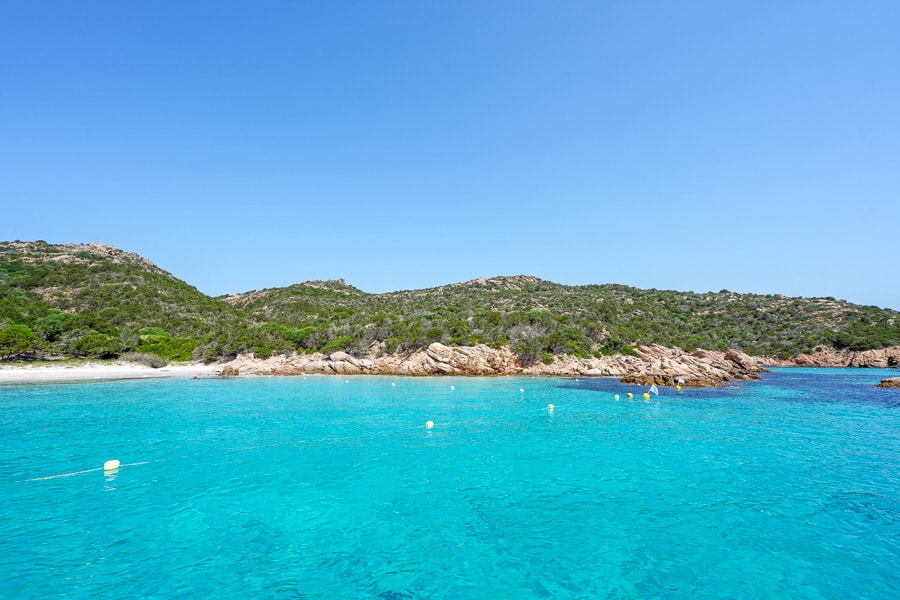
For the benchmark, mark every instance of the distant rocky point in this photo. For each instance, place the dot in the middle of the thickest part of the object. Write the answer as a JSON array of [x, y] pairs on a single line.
[[883, 358]]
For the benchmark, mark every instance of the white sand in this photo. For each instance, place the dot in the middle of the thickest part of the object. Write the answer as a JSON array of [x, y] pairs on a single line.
[[99, 372]]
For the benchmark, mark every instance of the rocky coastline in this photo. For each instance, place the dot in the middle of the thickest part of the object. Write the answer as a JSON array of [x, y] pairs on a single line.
[[650, 365], [884, 358]]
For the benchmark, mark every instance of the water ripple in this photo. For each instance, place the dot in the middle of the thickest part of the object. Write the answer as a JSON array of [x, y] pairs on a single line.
[[318, 489]]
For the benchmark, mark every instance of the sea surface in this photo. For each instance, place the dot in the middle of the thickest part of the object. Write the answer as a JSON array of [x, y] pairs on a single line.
[[326, 487]]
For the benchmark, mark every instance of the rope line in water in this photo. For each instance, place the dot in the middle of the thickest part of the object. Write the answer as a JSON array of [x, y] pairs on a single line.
[[64, 475], [82, 472]]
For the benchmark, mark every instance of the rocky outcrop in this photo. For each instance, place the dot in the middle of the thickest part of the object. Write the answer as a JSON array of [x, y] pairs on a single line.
[[874, 359], [229, 371], [890, 382], [651, 365], [702, 368]]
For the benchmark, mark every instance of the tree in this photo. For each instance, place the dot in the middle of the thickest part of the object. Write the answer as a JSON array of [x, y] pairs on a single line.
[[55, 324], [15, 340], [95, 345]]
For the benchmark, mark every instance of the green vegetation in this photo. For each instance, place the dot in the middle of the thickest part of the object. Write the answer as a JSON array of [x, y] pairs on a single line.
[[99, 302], [144, 358]]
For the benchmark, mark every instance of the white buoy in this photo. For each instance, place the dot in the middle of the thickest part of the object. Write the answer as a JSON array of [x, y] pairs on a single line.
[[616, 397], [393, 384], [452, 387], [429, 424], [111, 465], [550, 407], [346, 381], [522, 390]]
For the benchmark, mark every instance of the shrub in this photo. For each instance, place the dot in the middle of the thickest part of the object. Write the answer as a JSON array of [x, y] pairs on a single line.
[[262, 352], [153, 331], [144, 358], [55, 324], [156, 340], [338, 343]]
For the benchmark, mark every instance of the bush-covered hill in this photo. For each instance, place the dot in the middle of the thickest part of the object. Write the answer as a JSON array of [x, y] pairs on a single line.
[[97, 301], [539, 318]]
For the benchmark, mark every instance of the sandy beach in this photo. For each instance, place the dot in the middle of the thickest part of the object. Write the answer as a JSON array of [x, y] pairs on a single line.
[[100, 372]]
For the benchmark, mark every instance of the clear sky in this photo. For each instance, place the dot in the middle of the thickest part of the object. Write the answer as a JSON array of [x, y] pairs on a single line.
[[696, 146]]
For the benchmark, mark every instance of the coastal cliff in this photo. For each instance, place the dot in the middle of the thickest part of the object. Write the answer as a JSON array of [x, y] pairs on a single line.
[[652, 364]]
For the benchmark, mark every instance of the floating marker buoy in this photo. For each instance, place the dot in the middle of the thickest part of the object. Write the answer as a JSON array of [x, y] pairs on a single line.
[[550, 407], [629, 395], [522, 390], [429, 424], [677, 388], [616, 397], [346, 381], [393, 384], [452, 387], [646, 396], [111, 465]]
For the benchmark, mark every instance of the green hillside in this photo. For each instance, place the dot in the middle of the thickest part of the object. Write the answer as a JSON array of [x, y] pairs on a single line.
[[98, 301], [539, 318]]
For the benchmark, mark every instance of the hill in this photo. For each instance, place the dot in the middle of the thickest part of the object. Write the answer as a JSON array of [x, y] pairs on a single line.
[[94, 300], [540, 318], [98, 301]]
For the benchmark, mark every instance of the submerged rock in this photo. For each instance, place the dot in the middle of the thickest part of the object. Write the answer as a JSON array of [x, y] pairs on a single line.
[[890, 382]]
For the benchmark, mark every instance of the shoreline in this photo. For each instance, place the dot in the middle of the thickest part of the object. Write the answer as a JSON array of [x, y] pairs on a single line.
[[12, 374], [651, 365]]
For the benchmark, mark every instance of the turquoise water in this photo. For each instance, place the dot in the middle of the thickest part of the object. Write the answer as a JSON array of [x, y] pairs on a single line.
[[322, 487]]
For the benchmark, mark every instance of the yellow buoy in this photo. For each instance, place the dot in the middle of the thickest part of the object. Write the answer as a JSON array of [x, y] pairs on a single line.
[[629, 395], [646, 396], [429, 424], [111, 465], [677, 388]]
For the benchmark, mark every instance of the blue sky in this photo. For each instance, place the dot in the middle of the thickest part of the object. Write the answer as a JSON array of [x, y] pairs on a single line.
[[695, 146]]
